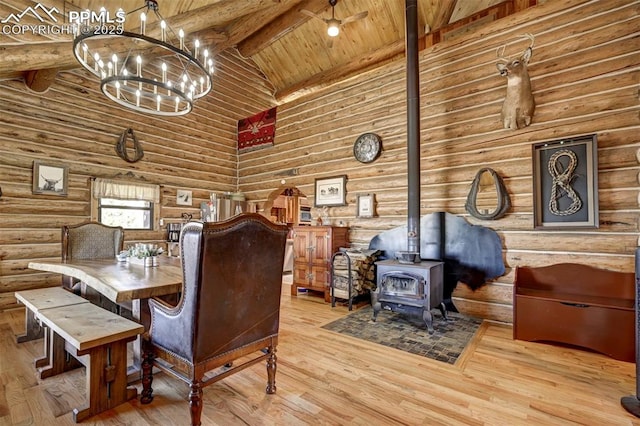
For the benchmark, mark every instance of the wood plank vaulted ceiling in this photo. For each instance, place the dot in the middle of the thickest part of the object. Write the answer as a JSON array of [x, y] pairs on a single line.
[[291, 48]]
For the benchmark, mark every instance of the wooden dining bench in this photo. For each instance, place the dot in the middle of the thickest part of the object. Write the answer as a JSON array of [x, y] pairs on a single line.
[[36, 300], [98, 339], [42, 298]]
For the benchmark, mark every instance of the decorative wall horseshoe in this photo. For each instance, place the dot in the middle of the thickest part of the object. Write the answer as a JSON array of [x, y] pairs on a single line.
[[504, 202], [121, 146]]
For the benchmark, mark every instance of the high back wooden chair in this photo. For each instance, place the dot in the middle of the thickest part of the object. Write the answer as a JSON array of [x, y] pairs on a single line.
[[229, 306], [89, 240]]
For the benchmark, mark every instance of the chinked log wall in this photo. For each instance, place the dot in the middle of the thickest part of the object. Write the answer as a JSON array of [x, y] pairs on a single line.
[[73, 124], [584, 72]]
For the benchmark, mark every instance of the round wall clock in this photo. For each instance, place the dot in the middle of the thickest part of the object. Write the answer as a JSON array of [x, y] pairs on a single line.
[[367, 147]]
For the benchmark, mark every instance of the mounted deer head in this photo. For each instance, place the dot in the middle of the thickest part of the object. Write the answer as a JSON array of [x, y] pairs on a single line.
[[519, 105]]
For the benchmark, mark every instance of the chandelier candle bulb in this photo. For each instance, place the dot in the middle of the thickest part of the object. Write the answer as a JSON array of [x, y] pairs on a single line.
[[164, 72], [163, 30], [118, 89], [177, 103], [158, 99], [114, 59], [197, 46], [143, 22], [137, 98], [181, 35]]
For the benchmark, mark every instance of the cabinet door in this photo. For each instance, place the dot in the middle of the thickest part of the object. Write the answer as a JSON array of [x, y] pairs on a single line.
[[319, 278], [321, 248], [301, 274], [302, 246]]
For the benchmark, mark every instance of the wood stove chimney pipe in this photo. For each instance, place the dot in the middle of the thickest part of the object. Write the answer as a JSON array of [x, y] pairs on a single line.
[[413, 126]]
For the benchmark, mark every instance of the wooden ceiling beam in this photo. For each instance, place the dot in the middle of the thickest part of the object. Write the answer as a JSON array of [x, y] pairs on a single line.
[[40, 80], [28, 57], [246, 26], [280, 26], [219, 13], [443, 13]]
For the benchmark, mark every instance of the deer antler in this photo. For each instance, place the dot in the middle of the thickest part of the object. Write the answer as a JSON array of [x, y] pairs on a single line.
[[500, 50]]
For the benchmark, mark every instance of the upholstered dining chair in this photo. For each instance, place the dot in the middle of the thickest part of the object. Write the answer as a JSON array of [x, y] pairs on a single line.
[[229, 306], [89, 240]]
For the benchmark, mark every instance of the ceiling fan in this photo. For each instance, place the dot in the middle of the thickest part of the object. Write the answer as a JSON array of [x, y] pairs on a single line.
[[333, 24]]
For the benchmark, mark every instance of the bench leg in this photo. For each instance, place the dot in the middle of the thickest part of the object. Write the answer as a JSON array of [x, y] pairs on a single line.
[[106, 379], [33, 329], [59, 360]]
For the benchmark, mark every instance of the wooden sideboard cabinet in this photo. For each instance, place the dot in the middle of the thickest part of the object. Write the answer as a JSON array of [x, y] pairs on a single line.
[[313, 247]]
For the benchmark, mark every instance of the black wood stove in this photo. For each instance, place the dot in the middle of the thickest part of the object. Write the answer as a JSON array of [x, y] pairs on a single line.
[[409, 288]]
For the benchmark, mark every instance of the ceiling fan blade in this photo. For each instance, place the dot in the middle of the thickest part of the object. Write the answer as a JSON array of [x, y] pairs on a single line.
[[355, 17], [311, 14]]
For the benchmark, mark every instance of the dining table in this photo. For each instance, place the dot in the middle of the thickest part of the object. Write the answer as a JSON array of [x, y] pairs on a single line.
[[124, 282]]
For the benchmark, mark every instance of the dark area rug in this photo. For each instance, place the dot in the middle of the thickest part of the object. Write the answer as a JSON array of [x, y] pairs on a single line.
[[409, 333]]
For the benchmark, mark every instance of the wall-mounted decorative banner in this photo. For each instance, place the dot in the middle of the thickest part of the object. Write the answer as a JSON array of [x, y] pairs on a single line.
[[258, 131]]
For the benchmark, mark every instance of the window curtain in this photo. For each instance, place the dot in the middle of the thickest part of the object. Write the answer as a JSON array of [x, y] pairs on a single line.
[[108, 188]]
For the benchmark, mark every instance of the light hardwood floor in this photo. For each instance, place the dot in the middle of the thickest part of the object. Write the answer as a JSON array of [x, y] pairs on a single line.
[[324, 378]]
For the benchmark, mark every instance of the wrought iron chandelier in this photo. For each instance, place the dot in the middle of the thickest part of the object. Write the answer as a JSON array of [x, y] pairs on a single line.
[[161, 75]]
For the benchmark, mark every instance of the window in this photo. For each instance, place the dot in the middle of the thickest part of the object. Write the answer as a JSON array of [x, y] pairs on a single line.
[[127, 204], [130, 214]]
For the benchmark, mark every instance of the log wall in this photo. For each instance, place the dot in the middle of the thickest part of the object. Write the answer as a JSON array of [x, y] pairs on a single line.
[[584, 73], [74, 124]]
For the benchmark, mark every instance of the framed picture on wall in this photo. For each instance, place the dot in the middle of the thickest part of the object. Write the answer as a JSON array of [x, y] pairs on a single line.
[[331, 191], [184, 197], [50, 179], [565, 183], [366, 205]]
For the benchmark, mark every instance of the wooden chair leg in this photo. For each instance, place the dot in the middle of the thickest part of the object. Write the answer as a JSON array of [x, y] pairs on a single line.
[[195, 402], [147, 378], [271, 370]]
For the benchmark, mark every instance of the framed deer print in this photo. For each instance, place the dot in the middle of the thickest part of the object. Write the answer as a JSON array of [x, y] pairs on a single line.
[[565, 183], [50, 179]]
